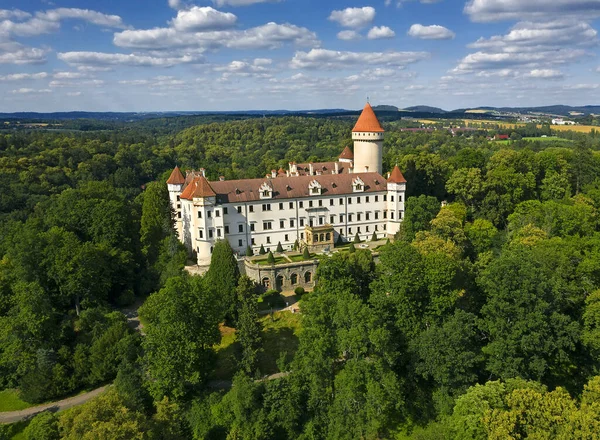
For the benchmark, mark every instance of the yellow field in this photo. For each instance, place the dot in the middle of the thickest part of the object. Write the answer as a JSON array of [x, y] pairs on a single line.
[[577, 128], [477, 111], [429, 121], [469, 122]]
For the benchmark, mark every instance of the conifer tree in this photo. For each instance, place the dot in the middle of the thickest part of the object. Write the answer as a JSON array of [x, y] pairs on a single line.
[[271, 258], [248, 326], [306, 254], [374, 236], [279, 247], [356, 238], [340, 240], [249, 251], [296, 245], [351, 249], [262, 250], [223, 274]]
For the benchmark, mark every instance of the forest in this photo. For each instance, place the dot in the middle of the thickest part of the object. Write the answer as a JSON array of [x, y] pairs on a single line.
[[480, 320]]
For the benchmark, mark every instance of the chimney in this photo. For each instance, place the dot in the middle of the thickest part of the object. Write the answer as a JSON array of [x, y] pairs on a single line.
[[273, 173], [203, 172], [311, 170], [287, 173], [337, 168], [221, 178]]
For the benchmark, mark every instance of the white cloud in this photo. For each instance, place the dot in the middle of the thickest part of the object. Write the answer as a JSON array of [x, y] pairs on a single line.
[[26, 91], [200, 19], [73, 93], [545, 74], [353, 17], [496, 10], [349, 35], [69, 83], [68, 75], [114, 59], [175, 4], [379, 32], [16, 53], [23, 76], [94, 17], [433, 32], [13, 13], [268, 36], [331, 59]]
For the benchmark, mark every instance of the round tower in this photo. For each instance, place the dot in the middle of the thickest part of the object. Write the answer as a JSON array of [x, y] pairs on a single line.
[[367, 135]]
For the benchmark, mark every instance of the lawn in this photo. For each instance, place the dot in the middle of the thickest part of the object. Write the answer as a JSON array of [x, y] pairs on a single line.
[[296, 258], [10, 401], [280, 335], [264, 262]]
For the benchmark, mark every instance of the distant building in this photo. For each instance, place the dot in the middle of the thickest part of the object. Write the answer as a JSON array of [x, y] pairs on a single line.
[[501, 137], [560, 121], [314, 203]]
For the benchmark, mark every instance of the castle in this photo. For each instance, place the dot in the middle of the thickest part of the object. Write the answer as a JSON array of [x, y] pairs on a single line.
[[316, 204]]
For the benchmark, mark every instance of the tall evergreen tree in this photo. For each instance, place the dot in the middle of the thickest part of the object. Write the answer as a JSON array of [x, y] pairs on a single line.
[[156, 221], [223, 274], [248, 326]]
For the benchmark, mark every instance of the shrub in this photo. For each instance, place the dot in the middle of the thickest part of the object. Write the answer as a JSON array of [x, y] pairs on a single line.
[[279, 247], [44, 426], [374, 236], [356, 238], [262, 250], [296, 245], [306, 254], [299, 291], [351, 249], [271, 258], [249, 251], [340, 240]]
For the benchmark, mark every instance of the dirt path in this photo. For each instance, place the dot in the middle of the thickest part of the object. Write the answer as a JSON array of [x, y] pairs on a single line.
[[15, 416]]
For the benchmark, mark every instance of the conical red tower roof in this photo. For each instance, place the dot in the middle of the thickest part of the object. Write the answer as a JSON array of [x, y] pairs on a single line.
[[367, 122], [176, 178], [347, 154], [396, 176]]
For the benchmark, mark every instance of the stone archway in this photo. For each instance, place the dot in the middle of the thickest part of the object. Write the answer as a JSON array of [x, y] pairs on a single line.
[[294, 279], [266, 283], [307, 277], [279, 282]]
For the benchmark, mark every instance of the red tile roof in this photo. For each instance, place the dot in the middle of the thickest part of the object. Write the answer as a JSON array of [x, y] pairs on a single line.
[[247, 190], [396, 176], [347, 154], [176, 178], [198, 187], [367, 122]]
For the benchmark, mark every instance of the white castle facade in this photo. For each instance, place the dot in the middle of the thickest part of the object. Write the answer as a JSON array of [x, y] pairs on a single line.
[[315, 204]]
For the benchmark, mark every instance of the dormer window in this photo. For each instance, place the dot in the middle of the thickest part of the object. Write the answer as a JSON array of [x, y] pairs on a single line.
[[315, 188], [265, 191], [358, 185]]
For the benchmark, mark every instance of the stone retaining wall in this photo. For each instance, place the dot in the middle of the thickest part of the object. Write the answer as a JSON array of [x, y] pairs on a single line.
[[283, 276]]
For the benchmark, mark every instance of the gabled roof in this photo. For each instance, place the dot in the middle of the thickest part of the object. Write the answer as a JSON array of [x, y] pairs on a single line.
[[199, 187], [347, 154], [176, 178], [396, 176], [367, 122]]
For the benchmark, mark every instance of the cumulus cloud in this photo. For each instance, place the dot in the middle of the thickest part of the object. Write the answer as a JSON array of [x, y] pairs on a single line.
[[71, 83], [331, 59], [94, 17], [496, 10], [379, 32], [68, 75], [175, 4], [199, 19], [115, 59], [531, 47], [268, 36], [16, 53], [353, 17], [433, 32], [13, 13], [349, 35], [545, 74], [23, 76]]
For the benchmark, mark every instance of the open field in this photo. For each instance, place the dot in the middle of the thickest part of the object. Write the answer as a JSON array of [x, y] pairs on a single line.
[[477, 122], [577, 128]]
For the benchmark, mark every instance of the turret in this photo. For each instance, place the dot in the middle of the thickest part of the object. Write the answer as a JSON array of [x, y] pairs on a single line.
[[367, 135], [175, 186]]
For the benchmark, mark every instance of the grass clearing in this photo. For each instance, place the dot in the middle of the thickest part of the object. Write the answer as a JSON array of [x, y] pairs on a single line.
[[264, 262], [10, 401]]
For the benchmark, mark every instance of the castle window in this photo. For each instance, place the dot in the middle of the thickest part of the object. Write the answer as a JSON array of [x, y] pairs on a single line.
[[384, 214], [251, 208], [399, 197], [359, 229], [349, 218], [310, 204], [217, 213], [367, 215], [341, 218], [358, 216], [367, 228], [178, 198], [252, 226], [301, 204], [266, 193], [358, 200], [267, 226], [330, 202], [281, 206], [268, 240], [367, 199], [349, 200], [240, 243], [291, 223], [349, 230], [391, 198], [392, 215], [400, 214], [376, 198], [253, 242], [385, 197], [376, 215], [286, 238], [281, 224], [225, 211], [341, 201], [200, 234], [301, 235], [240, 228], [291, 205], [320, 203], [179, 215], [218, 232], [210, 233], [226, 229], [301, 222], [321, 220], [331, 219], [179, 206], [266, 207], [239, 209], [199, 214], [209, 214]]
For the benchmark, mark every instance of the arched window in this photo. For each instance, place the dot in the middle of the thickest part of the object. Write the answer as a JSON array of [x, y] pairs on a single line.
[[266, 282], [328, 236], [307, 277], [279, 282], [294, 279]]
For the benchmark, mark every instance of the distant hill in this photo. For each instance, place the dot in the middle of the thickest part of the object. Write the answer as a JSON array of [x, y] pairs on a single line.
[[562, 110], [385, 108], [425, 109]]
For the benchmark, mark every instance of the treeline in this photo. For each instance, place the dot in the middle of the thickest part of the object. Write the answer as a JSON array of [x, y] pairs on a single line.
[[478, 312]]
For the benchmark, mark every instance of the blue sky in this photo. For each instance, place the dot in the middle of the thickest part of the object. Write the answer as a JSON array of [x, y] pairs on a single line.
[[161, 55]]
